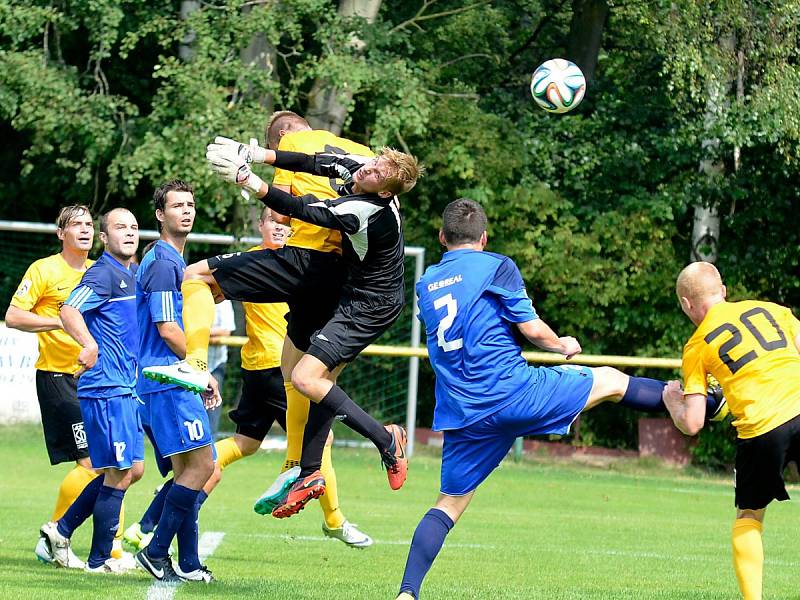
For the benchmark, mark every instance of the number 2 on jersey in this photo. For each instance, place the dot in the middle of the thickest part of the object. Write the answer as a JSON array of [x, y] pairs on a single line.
[[734, 364], [447, 322]]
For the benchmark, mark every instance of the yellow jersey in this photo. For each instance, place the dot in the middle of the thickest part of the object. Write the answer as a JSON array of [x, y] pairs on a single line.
[[45, 287], [306, 235], [265, 325], [750, 348]]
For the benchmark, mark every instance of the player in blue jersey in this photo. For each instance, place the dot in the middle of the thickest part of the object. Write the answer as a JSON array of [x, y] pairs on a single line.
[[175, 419], [100, 314], [474, 306]]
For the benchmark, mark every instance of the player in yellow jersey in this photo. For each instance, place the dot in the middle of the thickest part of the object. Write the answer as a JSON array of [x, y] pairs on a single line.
[[35, 307], [752, 349]]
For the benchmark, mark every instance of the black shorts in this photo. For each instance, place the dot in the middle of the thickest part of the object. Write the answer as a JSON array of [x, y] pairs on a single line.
[[310, 281], [760, 462], [263, 402], [359, 320], [62, 421]]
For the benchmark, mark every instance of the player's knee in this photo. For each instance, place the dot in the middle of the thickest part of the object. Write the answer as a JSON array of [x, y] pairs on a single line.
[[302, 380], [613, 381], [198, 270], [137, 471], [249, 447]]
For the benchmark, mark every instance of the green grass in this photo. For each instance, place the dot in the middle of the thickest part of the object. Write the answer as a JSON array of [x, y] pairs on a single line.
[[535, 530]]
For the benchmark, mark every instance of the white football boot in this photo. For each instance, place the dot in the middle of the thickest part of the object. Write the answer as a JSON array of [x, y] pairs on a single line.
[[181, 374], [57, 544], [348, 533], [202, 574]]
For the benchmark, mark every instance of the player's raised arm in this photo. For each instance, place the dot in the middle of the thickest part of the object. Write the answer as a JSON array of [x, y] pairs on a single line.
[[539, 333]]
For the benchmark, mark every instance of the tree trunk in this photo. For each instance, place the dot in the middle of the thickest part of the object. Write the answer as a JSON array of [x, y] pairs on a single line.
[[586, 34], [327, 104], [705, 230], [185, 50]]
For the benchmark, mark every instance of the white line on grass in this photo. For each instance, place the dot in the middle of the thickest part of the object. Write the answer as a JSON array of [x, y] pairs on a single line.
[[315, 538], [208, 542], [571, 551]]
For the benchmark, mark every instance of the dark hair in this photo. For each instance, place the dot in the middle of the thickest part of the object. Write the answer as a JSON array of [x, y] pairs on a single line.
[[283, 119], [68, 213], [104, 218], [160, 195], [463, 222]]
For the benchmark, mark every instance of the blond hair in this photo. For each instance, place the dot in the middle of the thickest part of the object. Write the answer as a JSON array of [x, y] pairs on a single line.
[[68, 213], [404, 170], [698, 281]]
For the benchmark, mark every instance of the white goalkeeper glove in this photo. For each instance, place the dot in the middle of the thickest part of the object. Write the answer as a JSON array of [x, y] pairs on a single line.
[[252, 152], [226, 161]]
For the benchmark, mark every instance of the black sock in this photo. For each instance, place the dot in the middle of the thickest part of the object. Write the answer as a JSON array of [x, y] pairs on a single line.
[[315, 433], [357, 419]]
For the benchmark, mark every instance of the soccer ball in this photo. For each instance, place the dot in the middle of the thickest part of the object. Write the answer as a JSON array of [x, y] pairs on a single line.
[[558, 85]]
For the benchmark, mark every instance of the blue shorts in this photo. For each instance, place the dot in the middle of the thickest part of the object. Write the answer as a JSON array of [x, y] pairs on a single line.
[[113, 431], [471, 453], [178, 421]]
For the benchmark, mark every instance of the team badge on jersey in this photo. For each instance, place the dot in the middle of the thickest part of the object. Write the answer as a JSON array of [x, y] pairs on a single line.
[[23, 288]]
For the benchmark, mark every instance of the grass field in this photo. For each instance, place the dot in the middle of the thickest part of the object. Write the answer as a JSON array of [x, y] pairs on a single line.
[[535, 530]]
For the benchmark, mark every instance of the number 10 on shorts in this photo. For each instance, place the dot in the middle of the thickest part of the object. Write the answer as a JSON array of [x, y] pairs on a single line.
[[195, 429]]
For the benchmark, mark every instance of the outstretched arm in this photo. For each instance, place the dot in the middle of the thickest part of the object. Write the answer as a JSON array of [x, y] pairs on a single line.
[[539, 333], [312, 210]]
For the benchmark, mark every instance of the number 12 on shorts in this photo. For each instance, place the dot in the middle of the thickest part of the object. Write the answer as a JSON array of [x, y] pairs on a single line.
[[447, 322]]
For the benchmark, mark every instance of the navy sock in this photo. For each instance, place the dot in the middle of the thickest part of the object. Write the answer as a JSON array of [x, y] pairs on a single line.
[[428, 539], [153, 512], [106, 523], [188, 532], [644, 394], [180, 501], [81, 508]]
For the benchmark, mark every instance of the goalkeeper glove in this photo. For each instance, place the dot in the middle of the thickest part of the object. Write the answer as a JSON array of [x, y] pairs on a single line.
[[226, 161], [252, 152]]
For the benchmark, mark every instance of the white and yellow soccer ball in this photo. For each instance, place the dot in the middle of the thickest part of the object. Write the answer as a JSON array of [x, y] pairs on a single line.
[[558, 85]]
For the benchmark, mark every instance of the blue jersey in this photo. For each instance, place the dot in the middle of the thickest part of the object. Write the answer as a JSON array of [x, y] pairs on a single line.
[[158, 300], [469, 303], [106, 299]]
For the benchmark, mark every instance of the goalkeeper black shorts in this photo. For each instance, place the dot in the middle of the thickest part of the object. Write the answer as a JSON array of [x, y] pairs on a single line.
[[309, 281], [360, 319]]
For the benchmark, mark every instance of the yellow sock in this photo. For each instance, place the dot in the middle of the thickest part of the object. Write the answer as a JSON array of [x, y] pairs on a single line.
[[296, 417], [116, 548], [227, 452], [329, 501], [198, 305], [748, 557], [71, 487], [121, 528]]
